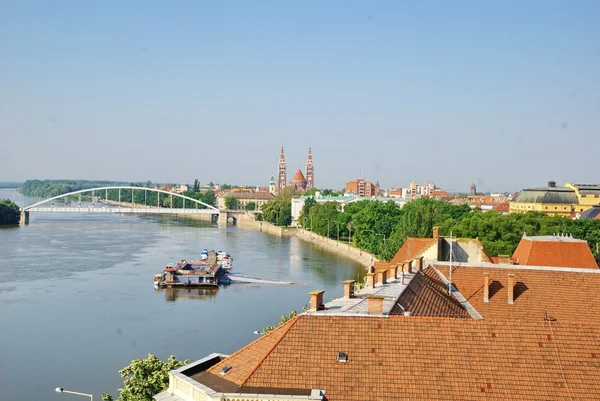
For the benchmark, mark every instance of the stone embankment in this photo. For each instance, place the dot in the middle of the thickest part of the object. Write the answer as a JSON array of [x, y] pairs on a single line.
[[340, 248]]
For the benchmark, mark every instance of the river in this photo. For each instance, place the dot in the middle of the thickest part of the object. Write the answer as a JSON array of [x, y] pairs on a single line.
[[77, 302]]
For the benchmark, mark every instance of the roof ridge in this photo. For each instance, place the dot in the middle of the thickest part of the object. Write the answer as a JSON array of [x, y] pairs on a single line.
[[291, 324]]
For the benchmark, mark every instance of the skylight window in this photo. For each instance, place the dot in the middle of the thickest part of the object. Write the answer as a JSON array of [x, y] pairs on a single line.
[[225, 370], [342, 357]]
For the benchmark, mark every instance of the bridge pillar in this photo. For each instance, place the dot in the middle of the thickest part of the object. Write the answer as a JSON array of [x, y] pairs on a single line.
[[222, 220], [24, 218]]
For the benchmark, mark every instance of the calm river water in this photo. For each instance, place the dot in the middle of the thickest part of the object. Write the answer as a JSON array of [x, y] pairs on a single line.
[[77, 302]]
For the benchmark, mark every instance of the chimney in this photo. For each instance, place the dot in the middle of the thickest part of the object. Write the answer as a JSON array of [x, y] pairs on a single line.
[[393, 272], [381, 277], [511, 289], [436, 232], [419, 263], [370, 280], [375, 304], [349, 289], [407, 266], [486, 287], [316, 300]]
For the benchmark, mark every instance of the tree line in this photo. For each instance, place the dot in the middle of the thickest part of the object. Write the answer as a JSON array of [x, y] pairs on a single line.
[[51, 188], [382, 228]]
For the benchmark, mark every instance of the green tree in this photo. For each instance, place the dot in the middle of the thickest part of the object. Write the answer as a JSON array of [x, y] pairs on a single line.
[[196, 187], [250, 206], [231, 203], [145, 378], [304, 217], [9, 212], [278, 211]]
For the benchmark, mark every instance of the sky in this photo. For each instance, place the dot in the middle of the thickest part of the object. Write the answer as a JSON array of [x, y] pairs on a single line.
[[505, 94]]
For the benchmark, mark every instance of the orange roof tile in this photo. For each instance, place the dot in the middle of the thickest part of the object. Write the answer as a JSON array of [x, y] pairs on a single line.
[[422, 358], [298, 176], [563, 293], [554, 251], [413, 248], [501, 207]]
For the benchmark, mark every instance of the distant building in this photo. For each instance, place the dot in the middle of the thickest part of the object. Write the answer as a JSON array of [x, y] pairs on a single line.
[[557, 201], [310, 171], [592, 213], [281, 172], [554, 250], [259, 198], [362, 187], [415, 191], [473, 190], [181, 188], [300, 181], [272, 187]]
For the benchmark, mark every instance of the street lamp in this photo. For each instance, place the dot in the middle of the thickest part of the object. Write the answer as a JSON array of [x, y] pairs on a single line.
[[62, 390]]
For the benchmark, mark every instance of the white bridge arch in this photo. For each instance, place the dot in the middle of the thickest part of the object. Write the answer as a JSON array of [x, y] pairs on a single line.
[[134, 208]]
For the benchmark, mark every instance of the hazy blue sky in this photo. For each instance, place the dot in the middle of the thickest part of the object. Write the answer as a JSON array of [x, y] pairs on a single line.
[[505, 94]]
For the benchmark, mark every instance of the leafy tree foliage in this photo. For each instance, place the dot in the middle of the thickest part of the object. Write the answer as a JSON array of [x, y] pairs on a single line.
[[231, 203], [145, 378], [49, 188], [251, 206], [278, 211], [9, 212], [323, 192], [420, 216], [196, 187]]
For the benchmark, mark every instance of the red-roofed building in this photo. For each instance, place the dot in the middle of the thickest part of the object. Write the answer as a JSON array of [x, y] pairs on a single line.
[[501, 208], [438, 248], [556, 251], [298, 182]]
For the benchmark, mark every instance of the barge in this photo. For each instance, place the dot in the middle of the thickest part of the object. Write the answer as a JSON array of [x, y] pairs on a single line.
[[188, 274]]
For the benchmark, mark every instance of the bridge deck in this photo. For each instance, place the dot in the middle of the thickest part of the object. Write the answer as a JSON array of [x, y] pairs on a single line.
[[135, 210]]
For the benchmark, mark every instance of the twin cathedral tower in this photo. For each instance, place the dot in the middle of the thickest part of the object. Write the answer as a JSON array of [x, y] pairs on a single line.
[[301, 182]]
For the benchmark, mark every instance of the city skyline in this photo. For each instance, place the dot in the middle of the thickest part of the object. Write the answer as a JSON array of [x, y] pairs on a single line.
[[502, 95]]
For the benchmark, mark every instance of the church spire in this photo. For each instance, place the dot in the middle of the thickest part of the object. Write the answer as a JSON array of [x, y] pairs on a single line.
[[282, 172], [309, 171]]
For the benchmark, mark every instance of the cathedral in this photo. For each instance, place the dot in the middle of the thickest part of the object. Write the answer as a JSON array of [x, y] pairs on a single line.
[[301, 182]]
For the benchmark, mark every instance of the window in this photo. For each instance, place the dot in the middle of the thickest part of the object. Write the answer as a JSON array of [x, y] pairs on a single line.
[[342, 357]]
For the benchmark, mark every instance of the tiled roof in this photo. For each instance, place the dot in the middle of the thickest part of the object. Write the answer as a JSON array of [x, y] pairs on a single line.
[[569, 295], [554, 251], [413, 248], [423, 358], [501, 207], [298, 176], [427, 295], [247, 359]]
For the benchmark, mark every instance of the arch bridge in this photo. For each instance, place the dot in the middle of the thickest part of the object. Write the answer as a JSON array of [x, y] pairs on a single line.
[[63, 203]]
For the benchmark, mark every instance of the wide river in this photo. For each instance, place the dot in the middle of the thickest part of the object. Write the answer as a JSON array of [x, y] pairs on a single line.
[[77, 302]]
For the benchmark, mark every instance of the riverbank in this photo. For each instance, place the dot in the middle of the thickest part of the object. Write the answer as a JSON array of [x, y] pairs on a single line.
[[340, 248]]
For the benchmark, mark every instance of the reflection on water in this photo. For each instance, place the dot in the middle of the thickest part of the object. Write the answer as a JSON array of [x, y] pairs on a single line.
[[172, 294], [77, 302]]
